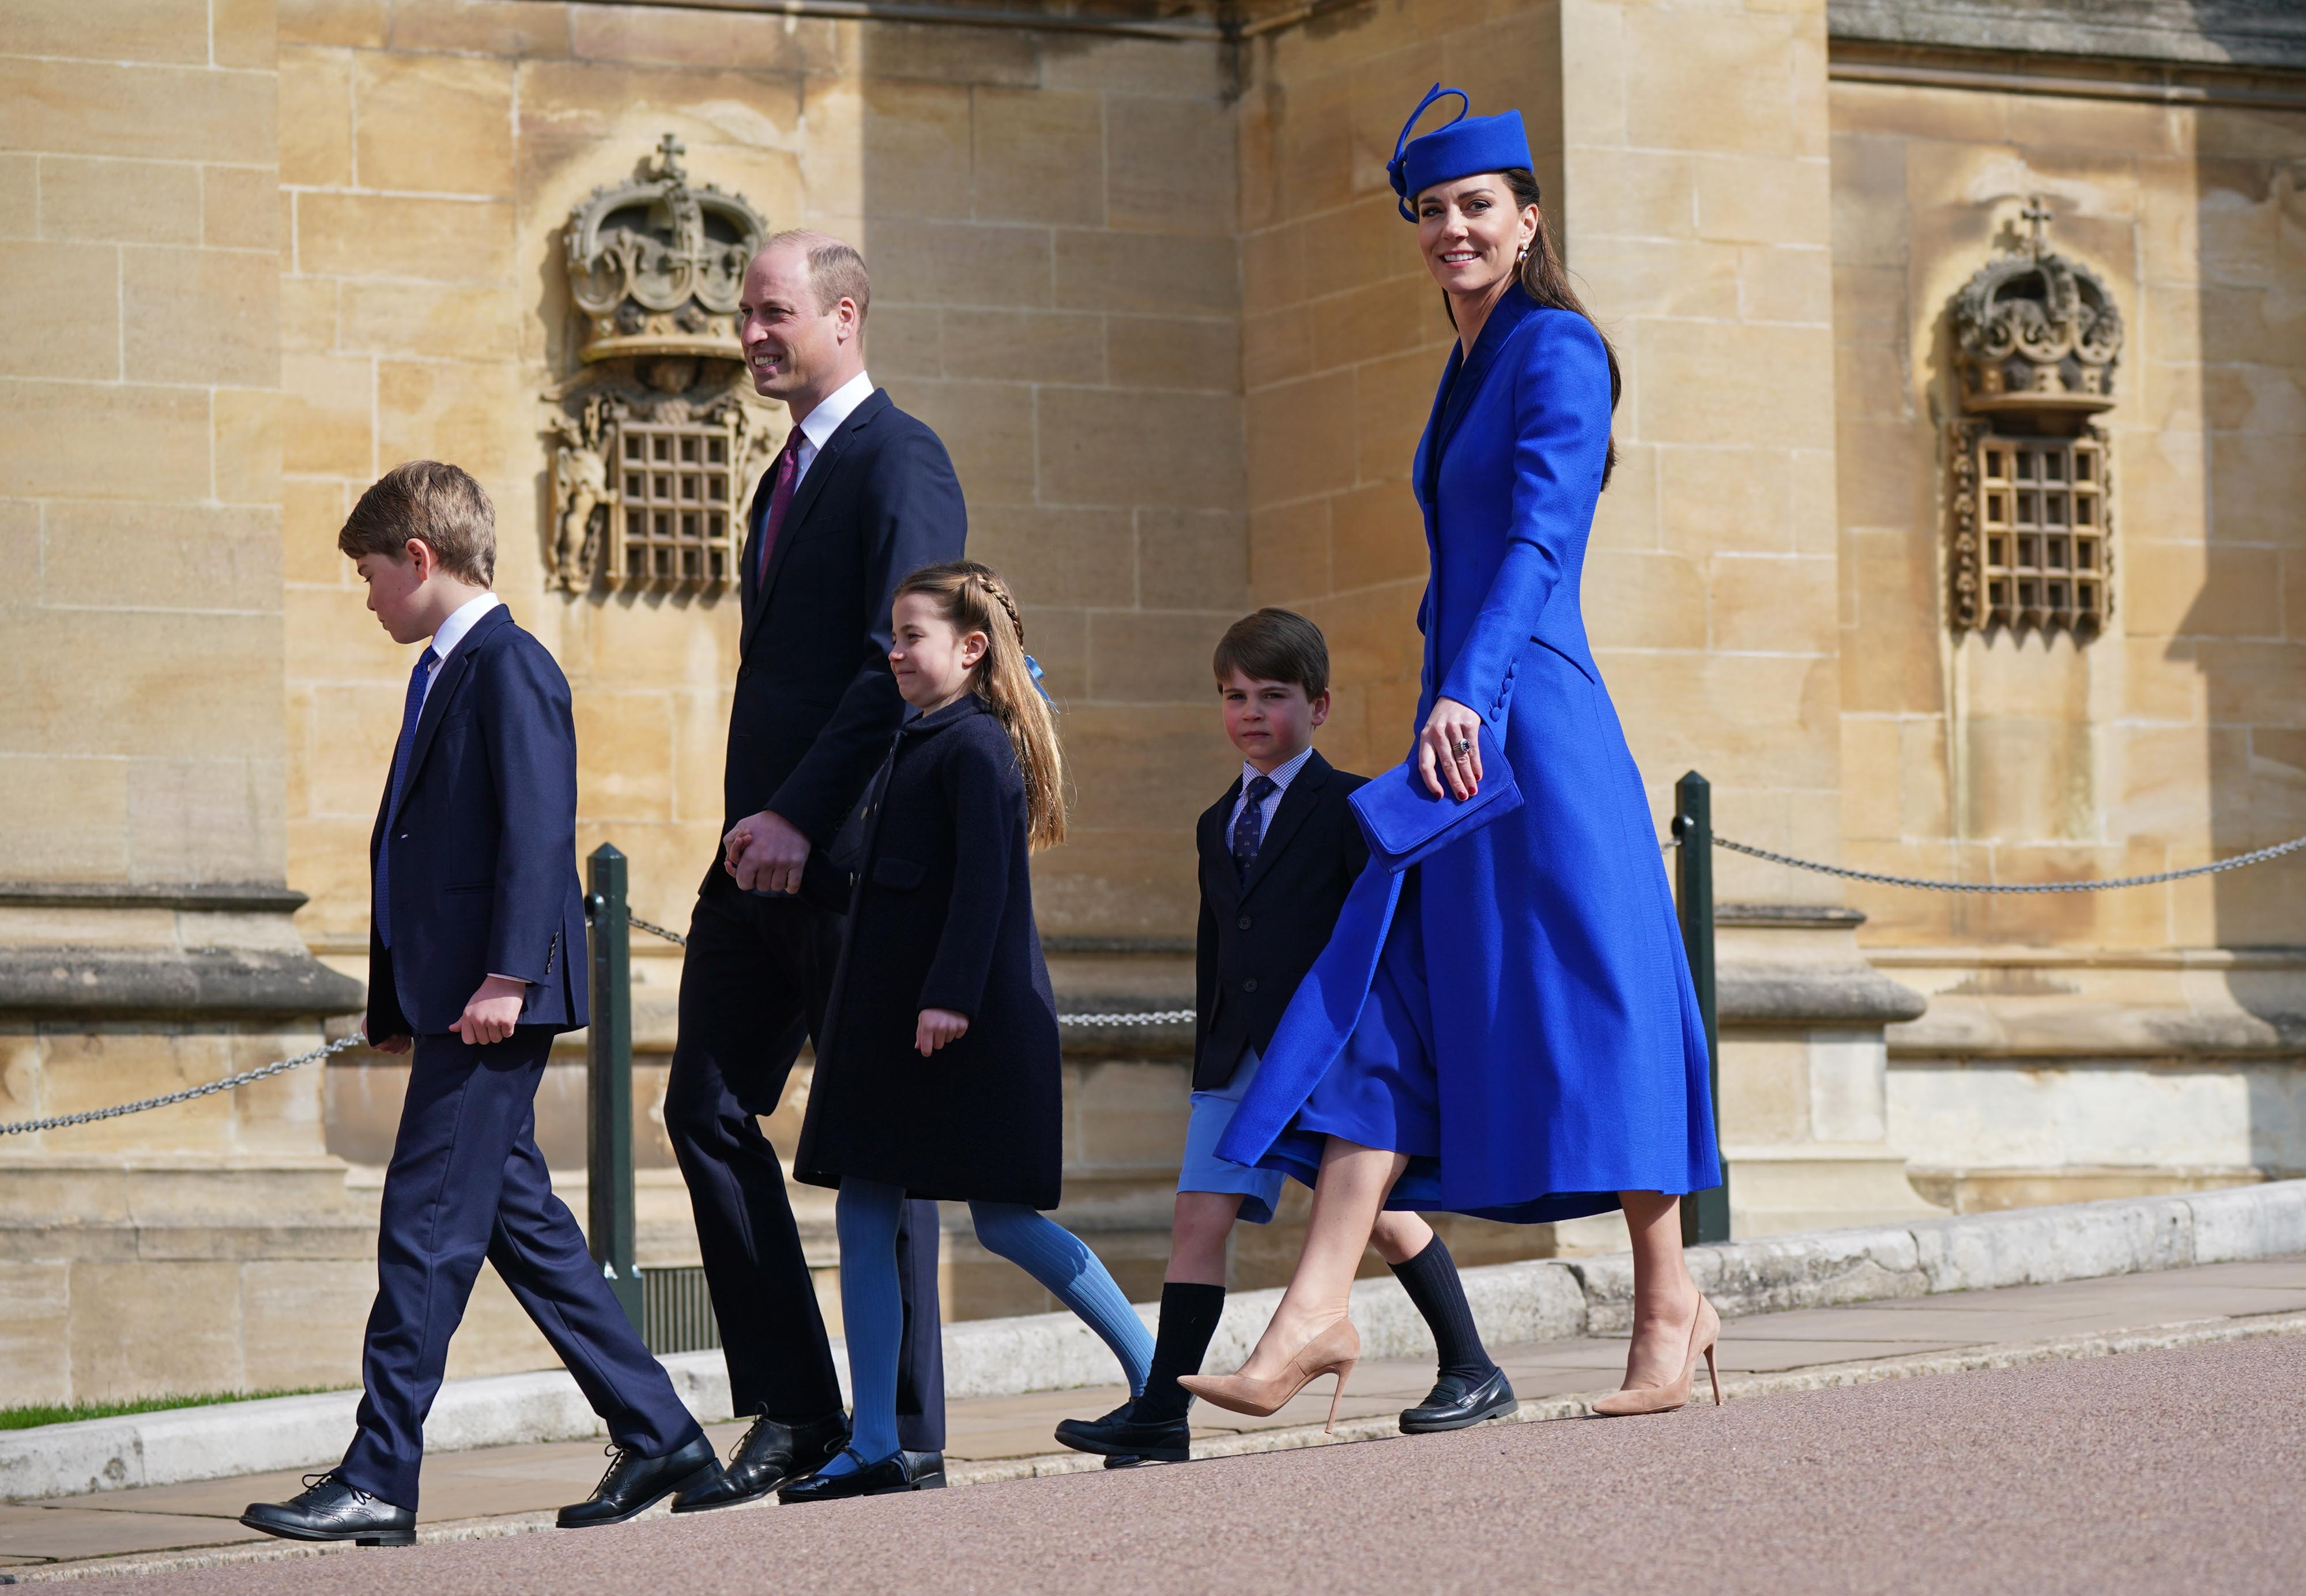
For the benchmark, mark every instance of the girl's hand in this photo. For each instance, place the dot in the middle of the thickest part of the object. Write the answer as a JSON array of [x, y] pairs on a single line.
[[938, 1026], [1451, 744]]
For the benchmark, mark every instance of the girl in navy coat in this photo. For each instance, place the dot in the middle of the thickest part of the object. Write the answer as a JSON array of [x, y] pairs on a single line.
[[1506, 1029], [938, 1076]]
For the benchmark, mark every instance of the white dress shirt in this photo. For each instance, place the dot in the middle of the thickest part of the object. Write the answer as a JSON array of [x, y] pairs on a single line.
[[1280, 777], [452, 632], [819, 426]]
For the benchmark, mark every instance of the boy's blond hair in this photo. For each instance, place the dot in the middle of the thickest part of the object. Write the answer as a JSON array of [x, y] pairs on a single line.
[[439, 505]]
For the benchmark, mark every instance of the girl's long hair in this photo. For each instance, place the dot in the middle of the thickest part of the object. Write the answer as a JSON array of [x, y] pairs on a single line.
[[974, 598], [1546, 280]]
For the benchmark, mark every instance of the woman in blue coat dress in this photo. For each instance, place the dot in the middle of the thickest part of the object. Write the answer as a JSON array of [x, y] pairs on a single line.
[[1506, 1029]]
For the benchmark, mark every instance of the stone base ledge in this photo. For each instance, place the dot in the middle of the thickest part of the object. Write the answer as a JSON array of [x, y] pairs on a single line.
[[1514, 1303]]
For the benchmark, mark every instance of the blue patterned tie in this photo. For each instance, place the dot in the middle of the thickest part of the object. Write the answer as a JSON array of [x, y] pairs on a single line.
[[1248, 830], [410, 713]]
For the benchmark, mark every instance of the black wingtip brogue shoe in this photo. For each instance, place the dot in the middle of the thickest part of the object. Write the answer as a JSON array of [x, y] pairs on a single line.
[[769, 1454], [925, 1469], [1458, 1401], [1119, 1435], [634, 1484], [330, 1509], [890, 1475]]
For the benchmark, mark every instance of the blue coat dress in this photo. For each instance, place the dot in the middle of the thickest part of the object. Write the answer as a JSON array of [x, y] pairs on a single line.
[[1515, 1013]]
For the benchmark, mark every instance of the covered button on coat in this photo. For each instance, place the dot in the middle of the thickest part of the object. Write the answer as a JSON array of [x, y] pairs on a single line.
[[943, 919]]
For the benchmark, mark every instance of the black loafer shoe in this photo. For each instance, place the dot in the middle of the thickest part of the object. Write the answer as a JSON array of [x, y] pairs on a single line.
[[634, 1484], [926, 1468], [1119, 1435], [886, 1478], [331, 1510], [770, 1454], [1456, 1402]]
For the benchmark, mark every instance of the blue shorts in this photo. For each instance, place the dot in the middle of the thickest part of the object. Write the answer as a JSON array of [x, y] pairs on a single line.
[[1204, 1171]]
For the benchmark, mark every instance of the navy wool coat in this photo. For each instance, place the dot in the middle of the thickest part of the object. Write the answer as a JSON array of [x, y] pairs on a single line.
[[1535, 975], [943, 919]]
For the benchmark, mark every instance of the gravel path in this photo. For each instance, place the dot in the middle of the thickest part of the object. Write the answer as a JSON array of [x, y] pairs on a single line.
[[2176, 1470]]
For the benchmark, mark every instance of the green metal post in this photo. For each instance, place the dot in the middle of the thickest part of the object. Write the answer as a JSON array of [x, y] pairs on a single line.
[[1705, 1215], [609, 1082]]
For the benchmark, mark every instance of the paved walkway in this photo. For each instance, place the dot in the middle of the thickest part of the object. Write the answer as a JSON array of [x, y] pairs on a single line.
[[505, 1490]]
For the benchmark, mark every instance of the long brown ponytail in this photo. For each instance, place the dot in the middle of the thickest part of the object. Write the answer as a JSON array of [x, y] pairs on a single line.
[[1546, 280], [974, 598]]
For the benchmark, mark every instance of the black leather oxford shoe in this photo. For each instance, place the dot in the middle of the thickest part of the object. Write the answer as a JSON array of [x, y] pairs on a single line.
[[769, 1454], [331, 1510], [1458, 1401], [634, 1484], [887, 1477], [926, 1468], [1119, 1437]]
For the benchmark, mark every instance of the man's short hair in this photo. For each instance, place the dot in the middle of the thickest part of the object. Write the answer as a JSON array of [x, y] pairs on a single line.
[[437, 505], [1275, 645], [836, 271]]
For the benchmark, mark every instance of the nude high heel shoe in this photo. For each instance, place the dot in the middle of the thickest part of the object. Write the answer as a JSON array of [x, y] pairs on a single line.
[[1335, 1350], [1704, 1333]]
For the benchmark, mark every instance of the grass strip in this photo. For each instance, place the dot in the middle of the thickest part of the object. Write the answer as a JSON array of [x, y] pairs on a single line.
[[32, 1416]]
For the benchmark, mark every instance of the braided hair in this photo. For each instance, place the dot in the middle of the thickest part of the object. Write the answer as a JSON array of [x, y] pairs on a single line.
[[974, 598]]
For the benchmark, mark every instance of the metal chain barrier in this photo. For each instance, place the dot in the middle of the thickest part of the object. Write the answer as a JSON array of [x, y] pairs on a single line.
[[59, 1122], [2260, 856]]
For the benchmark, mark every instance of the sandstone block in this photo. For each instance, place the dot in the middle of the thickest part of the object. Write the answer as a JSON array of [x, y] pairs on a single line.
[[60, 441], [169, 30], [77, 333], [989, 429], [199, 316], [591, 100], [240, 208], [912, 142], [328, 416], [1024, 345], [72, 819], [1383, 319], [1355, 247], [1030, 155], [1289, 552], [396, 236], [1173, 352], [1275, 348], [1377, 534], [1712, 81], [1193, 559], [1059, 557], [303, 1319], [19, 196], [623, 33], [316, 116], [1170, 165], [1152, 272], [1003, 56], [1774, 602], [1392, 399], [428, 320], [72, 107], [117, 201], [930, 262], [438, 124], [161, 557], [1629, 193], [1642, 599], [1176, 450], [1273, 268], [151, 701], [356, 22], [141, 1328], [470, 412], [1721, 383], [35, 1312], [1300, 438], [1152, 657], [2081, 1241], [624, 746], [2188, 589], [522, 28]]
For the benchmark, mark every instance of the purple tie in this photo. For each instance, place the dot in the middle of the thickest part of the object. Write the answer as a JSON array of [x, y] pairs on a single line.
[[782, 477]]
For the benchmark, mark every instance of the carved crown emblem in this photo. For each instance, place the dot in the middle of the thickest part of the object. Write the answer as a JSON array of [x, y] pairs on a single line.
[[2035, 331], [654, 266]]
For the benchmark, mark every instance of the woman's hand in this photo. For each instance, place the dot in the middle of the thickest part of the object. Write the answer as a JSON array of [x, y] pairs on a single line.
[[1449, 749], [938, 1026]]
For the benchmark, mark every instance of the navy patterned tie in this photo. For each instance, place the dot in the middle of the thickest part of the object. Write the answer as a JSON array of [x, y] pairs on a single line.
[[410, 713], [1248, 830]]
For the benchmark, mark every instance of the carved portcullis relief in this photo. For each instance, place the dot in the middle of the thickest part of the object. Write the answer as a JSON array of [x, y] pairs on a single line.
[[654, 439], [2029, 490]]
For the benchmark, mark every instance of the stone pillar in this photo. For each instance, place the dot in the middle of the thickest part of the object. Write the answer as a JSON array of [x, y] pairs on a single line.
[[146, 938]]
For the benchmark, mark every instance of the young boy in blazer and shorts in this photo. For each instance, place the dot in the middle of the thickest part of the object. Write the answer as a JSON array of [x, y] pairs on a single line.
[[1279, 853]]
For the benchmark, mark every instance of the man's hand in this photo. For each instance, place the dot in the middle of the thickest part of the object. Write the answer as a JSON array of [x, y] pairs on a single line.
[[765, 853], [393, 1045], [1449, 749], [938, 1026], [493, 1012]]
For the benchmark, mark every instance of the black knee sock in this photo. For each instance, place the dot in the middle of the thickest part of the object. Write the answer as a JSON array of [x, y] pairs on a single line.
[[1189, 1321], [1431, 1279]]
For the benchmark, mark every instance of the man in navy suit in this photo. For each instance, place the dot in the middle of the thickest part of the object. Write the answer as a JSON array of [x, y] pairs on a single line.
[[477, 961], [861, 496]]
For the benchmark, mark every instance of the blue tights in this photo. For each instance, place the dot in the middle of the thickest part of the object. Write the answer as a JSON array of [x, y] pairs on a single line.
[[865, 1216]]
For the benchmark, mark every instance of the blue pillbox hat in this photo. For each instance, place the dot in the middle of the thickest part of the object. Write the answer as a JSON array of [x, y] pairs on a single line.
[[1459, 147]]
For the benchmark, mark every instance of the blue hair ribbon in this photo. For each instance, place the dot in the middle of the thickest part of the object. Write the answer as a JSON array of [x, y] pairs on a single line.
[[1033, 670]]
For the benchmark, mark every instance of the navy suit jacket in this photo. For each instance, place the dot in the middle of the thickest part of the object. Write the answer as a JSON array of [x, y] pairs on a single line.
[[815, 708], [483, 876], [1260, 933]]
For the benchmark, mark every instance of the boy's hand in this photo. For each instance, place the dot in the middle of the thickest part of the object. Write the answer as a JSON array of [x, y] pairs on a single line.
[[938, 1026], [393, 1045], [765, 852], [493, 1012]]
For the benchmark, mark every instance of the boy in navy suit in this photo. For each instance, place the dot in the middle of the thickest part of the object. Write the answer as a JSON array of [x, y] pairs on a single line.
[[477, 961], [1279, 853]]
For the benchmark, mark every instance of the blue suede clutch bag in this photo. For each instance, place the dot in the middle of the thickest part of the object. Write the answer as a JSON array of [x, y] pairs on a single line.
[[1405, 823]]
